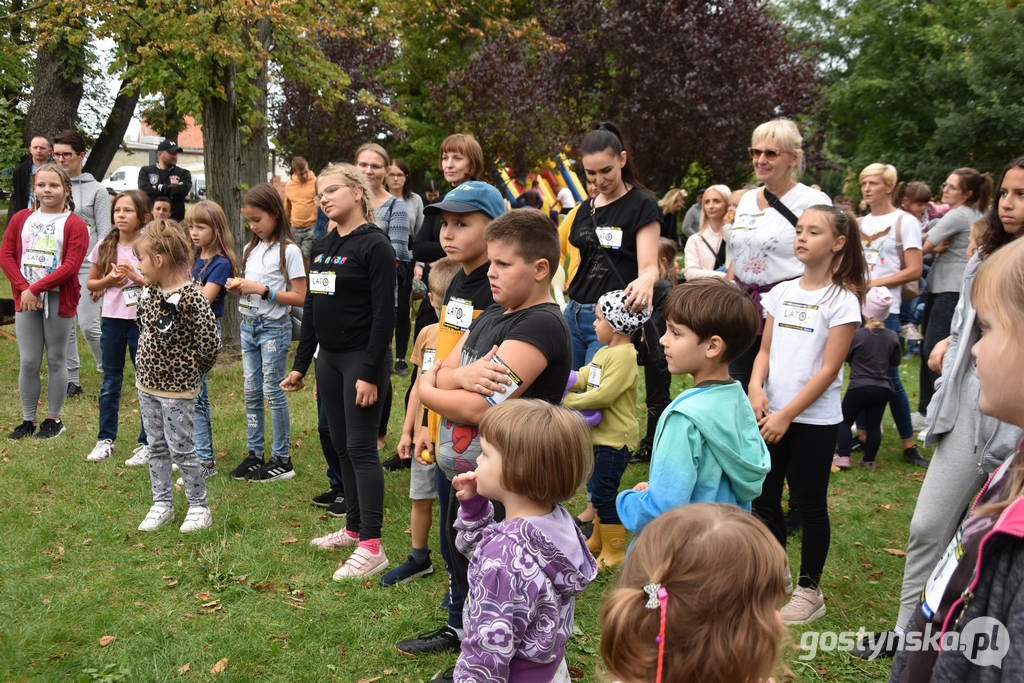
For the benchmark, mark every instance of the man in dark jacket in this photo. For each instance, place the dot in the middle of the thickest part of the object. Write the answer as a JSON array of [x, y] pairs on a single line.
[[39, 150], [167, 179]]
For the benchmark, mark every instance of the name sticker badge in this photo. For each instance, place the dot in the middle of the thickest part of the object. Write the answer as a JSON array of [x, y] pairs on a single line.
[[322, 282], [609, 237], [873, 256], [507, 389], [131, 295], [798, 316], [37, 258], [429, 358], [594, 377], [941, 575], [458, 314], [250, 302]]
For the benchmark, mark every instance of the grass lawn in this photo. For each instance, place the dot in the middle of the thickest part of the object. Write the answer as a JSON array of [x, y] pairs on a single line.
[[252, 597]]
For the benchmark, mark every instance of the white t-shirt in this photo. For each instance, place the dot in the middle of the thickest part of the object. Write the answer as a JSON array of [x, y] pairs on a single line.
[[802, 322], [882, 255], [761, 240], [264, 266], [42, 244], [565, 198]]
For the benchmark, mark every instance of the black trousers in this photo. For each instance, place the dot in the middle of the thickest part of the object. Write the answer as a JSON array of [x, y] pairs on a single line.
[[657, 378], [402, 322]]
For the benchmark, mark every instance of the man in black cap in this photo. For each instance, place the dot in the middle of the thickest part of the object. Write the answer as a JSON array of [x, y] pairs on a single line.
[[167, 179]]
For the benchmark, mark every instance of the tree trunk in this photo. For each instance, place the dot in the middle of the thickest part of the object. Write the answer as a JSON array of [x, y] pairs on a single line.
[[222, 154], [112, 135], [56, 93]]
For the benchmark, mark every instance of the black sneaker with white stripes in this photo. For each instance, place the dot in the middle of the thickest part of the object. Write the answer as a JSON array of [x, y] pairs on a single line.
[[251, 463], [272, 470]]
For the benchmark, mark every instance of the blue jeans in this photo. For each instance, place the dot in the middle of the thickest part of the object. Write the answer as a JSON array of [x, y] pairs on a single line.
[[202, 427], [580, 318], [116, 336], [265, 345], [603, 485]]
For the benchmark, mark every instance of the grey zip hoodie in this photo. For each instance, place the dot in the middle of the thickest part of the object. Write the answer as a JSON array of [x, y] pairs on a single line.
[[92, 205]]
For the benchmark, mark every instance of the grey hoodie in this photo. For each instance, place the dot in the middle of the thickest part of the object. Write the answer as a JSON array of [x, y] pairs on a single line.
[[92, 205], [957, 389]]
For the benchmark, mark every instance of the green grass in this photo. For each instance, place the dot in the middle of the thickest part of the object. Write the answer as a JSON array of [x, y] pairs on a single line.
[[253, 591]]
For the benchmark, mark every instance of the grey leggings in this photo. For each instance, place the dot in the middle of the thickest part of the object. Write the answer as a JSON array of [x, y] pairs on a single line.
[[35, 331], [89, 322]]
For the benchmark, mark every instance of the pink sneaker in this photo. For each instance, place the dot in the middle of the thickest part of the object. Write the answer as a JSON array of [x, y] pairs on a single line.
[[362, 563], [335, 539], [842, 462]]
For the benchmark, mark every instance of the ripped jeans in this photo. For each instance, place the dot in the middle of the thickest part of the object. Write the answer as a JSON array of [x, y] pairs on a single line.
[[265, 345]]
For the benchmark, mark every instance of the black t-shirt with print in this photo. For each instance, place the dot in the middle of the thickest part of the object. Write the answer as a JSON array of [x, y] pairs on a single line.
[[542, 326], [617, 224]]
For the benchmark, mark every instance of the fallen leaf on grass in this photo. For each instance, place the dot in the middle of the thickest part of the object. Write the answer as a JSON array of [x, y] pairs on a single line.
[[876, 575], [183, 669], [293, 523], [139, 603], [219, 667], [290, 539], [211, 603], [172, 584], [203, 595], [858, 544], [107, 640], [370, 680], [895, 551]]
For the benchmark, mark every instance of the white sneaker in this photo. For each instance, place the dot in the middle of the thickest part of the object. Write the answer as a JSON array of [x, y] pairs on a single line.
[[158, 515], [335, 539], [804, 606], [140, 456], [918, 421], [197, 518], [101, 451], [362, 563]]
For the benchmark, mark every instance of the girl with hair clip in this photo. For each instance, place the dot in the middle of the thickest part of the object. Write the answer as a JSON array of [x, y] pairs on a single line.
[[981, 574], [795, 386], [273, 280], [968, 444], [115, 275], [761, 234], [701, 583], [178, 344], [526, 571], [42, 251], [349, 312], [892, 247], [705, 254], [968, 194], [214, 266]]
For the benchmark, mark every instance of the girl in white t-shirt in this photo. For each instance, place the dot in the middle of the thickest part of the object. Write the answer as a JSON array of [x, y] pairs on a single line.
[[795, 386], [892, 248], [115, 274], [273, 280]]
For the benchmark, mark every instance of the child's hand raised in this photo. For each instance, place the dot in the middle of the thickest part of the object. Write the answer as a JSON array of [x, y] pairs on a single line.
[[465, 485], [483, 376]]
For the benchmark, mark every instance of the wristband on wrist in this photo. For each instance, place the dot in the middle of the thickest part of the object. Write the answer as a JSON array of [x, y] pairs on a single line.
[[273, 294], [266, 293]]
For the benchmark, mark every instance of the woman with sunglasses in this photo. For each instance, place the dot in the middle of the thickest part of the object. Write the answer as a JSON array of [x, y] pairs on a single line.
[[761, 235]]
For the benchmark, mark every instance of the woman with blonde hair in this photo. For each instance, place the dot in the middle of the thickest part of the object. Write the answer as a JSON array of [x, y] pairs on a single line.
[[705, 255], [671, 206]]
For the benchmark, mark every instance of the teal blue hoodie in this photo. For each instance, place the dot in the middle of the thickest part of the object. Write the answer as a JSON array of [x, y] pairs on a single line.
[[708, 449]]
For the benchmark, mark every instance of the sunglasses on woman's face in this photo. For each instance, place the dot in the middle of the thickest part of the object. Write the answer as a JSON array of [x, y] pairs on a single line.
[[769, 154]]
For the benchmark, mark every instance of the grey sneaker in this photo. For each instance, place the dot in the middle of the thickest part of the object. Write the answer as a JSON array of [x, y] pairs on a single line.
[[805, 606], [204, 471], [101, 451]]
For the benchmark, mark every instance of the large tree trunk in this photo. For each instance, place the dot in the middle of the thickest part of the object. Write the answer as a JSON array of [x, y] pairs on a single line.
[[112, 135], [57, 90]]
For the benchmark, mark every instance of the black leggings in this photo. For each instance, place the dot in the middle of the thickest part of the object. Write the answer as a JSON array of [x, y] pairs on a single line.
[[872, 401], [657, 378], [402, 322], [354, 435], [808, 448], [459, 562]]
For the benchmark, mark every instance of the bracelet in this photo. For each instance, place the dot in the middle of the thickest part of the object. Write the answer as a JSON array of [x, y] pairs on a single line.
[[266, 293], [273, 293]]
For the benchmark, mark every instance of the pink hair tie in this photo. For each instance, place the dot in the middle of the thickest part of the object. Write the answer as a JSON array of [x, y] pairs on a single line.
[[657, 597]]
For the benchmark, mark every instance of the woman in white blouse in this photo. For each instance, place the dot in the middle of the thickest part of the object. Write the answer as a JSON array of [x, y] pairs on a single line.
[[706, 252]]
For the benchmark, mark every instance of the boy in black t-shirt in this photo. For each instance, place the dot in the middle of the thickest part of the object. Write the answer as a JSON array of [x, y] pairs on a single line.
[[519, 347]]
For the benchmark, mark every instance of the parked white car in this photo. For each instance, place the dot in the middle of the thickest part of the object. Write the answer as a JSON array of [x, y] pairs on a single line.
[[124, 178]]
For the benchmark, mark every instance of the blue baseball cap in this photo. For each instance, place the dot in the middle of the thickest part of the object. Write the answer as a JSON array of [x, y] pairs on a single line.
[[472, 195]]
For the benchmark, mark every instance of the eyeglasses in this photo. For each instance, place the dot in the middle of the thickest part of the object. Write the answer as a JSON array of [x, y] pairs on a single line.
[[769, 154], [366, 164], [64, 155], [332, 189]]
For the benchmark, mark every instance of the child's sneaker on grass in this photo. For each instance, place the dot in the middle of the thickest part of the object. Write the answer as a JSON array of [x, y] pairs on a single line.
[[327, 497], [444, 639], [158, 515], [362, 563], [26, 428], [336, 539], [50, 428], [407, 571], [248, 464], [197, 517], [338, 508], [101, 451], [805, 606], [843, 462], [140, 456], [204, 472], [275, 469]]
